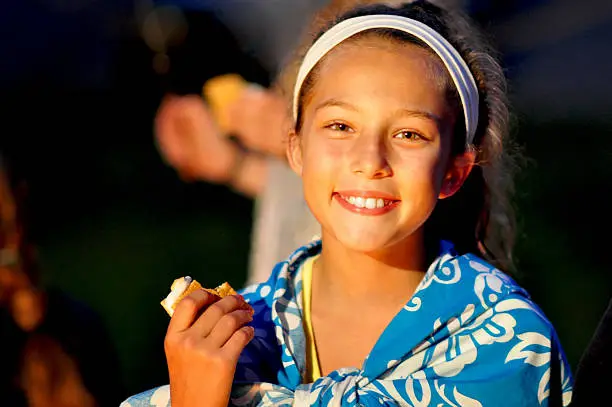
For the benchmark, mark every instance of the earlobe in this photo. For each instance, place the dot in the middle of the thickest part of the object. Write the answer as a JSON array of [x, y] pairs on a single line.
[[448, 186], [294, 153], [456, 175]]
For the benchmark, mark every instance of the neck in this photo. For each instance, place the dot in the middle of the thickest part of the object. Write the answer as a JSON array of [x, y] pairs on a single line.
[[388, 277]]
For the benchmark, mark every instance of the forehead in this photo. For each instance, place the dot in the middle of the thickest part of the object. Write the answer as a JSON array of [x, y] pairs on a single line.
[[370, 45], [373, 65]]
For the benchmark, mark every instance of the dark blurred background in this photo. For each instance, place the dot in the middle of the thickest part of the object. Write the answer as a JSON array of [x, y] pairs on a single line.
[[80, 81]]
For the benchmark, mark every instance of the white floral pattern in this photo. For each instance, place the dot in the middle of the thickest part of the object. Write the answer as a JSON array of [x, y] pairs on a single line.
[[469, 337]]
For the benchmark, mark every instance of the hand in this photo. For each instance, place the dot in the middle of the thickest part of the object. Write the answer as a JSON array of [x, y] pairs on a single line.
[[259, 119], [50, 376], [202, 350], [28, 308], [189, 140]]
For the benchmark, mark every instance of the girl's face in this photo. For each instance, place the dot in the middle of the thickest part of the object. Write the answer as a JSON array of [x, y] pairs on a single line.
[[374, 148]]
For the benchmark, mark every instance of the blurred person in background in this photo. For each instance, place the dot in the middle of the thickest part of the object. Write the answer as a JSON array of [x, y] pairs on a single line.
[[190, 141], [54, 350]]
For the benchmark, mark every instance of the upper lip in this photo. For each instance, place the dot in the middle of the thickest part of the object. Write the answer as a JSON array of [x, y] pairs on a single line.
[[369, 194]]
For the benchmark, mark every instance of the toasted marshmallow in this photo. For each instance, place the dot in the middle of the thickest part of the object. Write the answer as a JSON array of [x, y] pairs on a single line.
[[178, 291]]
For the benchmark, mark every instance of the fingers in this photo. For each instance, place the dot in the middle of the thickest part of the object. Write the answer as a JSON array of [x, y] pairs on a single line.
[[227, 326], [216, 335], [165, 129], [207, 321], [236, 343], [188, 309], [183, 131], [178, 111]]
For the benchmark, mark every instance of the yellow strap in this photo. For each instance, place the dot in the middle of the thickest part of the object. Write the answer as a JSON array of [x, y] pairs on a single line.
[[313, 371]]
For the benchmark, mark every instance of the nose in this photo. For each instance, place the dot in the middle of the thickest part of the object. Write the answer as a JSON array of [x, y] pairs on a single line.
[[369, 157]]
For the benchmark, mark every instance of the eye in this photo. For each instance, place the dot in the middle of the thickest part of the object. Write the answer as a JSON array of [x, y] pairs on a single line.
[[338, 126], [408, 135]]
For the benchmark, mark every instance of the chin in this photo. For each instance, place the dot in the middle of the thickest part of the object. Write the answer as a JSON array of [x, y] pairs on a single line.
[[370, 238], [365, 242]]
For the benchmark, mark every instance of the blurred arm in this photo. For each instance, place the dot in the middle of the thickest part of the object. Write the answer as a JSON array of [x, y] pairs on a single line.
[[249, 174]]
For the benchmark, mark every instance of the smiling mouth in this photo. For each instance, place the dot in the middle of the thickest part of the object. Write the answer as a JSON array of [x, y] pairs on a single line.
[[366, 204]]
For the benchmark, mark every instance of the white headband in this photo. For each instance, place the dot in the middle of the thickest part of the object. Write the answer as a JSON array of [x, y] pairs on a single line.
[[456, 66]]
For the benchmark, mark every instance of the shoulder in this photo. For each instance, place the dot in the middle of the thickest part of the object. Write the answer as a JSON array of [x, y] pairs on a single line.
[[479, 278], [488, 305], [496, 293], [510, 333]]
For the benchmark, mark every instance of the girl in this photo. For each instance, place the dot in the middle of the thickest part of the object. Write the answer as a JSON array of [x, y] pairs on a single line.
[[400, 124]]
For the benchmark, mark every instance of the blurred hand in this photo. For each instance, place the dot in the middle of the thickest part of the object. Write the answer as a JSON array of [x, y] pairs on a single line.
[[28, 308], [51, 377], [259, 119], [189, 140], [202, 350]]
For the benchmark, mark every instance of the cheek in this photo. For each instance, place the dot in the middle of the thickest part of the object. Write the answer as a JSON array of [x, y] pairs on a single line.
[[420, 173], [322, 162], [322, 157]]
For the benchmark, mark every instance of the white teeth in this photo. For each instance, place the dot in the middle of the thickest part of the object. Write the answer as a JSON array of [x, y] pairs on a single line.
[[369, 203]]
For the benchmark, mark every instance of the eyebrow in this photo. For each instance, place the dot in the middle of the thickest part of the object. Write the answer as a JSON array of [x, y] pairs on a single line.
[[421, 114], [335, 102], [400, 112]]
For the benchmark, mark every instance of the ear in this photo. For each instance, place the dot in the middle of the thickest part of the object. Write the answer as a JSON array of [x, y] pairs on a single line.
[[456, 174], [294, 152]]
